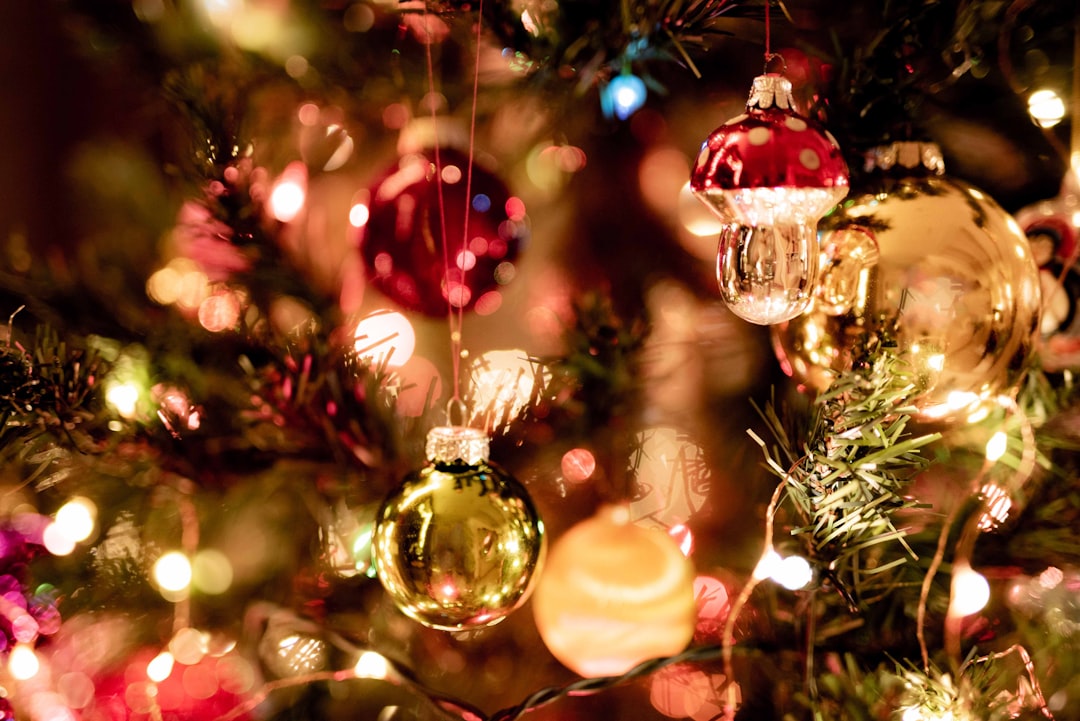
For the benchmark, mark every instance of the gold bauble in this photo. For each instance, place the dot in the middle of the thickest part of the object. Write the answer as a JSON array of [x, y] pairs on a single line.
[[614, 594], [457, 545], [930, 266]]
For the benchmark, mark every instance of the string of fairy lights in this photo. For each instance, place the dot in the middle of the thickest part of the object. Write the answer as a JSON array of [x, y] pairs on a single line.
[[760, 217]]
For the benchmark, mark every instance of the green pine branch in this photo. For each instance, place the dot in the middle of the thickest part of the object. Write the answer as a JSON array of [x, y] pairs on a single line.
[[847, 480]]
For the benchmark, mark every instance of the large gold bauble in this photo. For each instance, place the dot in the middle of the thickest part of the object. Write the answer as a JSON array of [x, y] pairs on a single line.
[[458, 544], [928, 265], [614, 594]]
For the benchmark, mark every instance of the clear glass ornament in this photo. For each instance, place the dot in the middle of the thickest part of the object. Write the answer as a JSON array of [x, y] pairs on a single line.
[[767, 273], [771, 174], [458, 544]]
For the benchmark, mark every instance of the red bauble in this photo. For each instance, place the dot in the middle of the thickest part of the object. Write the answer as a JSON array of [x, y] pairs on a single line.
[[402, 242], [769, 174], [769, 147]]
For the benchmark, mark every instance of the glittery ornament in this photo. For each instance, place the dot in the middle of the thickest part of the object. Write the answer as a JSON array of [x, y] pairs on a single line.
[[930, 266], [402, 242], [458, 544], [770, 174], [614, 594]]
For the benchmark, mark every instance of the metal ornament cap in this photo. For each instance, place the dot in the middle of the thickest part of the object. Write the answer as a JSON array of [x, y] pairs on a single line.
[[770, 146], [903, 157], [457, 444]]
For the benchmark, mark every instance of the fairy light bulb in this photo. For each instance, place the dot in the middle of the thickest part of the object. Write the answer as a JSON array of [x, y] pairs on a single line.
[[970, 592], [770, 175], [624, 96]]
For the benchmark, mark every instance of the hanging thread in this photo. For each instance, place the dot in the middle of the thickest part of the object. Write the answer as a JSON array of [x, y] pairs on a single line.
[[454, 345], [455, 333], [454, 295]]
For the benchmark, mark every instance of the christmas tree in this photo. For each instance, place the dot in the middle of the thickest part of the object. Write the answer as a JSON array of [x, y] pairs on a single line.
[[498, 360]]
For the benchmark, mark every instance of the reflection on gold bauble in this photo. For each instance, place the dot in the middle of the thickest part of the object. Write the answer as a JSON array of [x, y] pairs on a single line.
[[457, 545], [614, 594], [932, 265]]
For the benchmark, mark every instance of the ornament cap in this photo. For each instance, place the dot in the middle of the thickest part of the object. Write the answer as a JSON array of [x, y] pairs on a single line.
[[457, 444], [905, 155], [771, 90]]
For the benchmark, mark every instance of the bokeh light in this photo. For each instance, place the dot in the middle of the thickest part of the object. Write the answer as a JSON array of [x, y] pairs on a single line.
[[996, 446], [360, 211], [189, 646], [220, 12], [23, 663], [970, 591], [793, 573], [623, 96], [220, 311], [359, 18], [308, 114], [682, 692], [1046, 107], [296, 66], [123, 397], [768, 565], [172, 572], [385, 337], [211, 571], [371, 665], [180, 283], [578, 465], [548, 166], [160, 667], [289, 193], [76, 518], [502, 383], [56, 541], [24, 627]]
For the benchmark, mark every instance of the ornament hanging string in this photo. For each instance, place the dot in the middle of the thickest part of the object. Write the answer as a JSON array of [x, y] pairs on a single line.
[[455, 317], [769, 54], [455, 333]]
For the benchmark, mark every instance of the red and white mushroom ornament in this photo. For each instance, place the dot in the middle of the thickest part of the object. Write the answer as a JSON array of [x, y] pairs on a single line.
[[770, 174]]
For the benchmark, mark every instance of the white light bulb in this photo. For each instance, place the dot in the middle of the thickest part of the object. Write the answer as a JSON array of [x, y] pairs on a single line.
[[371, 665], [173, 571], [23, 663], [124, 397], [160, 667], [1047, 109], [793, 573], [970, 592], [76, 518], [996, 446], [767, 565]]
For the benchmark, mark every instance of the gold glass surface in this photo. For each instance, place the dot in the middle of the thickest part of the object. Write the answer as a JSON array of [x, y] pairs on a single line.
[[934, 268], [458, 545]]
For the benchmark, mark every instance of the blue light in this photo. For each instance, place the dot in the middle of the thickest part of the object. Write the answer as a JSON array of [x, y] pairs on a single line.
[[623, 96], [481, 203]]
